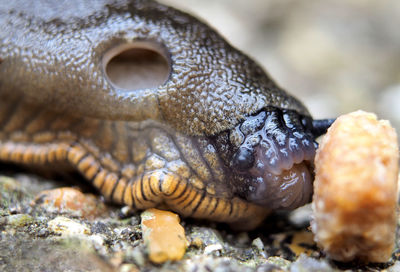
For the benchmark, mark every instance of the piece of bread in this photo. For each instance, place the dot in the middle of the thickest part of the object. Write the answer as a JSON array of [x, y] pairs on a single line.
[[355, 189]]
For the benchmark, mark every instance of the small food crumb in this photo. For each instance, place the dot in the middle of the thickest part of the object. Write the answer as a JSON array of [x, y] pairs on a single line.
[[163, 235], [355, 189], [70, 200]]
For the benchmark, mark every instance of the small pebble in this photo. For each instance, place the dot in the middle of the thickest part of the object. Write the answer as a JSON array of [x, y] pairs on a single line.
[[126, 212], [43, 233], [128, 268], [138, 256], [163, 235], [279, 261], [267, 267], [100, 227], [97, 239], [213, 248], [207, 235], [65, 226], [308, 264], [258, 243]]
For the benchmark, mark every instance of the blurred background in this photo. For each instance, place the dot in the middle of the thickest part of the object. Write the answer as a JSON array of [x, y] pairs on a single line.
[[337, 56]]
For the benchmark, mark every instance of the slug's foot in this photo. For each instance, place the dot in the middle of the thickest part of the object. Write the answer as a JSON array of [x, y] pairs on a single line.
[[275, 150], [156, 188]]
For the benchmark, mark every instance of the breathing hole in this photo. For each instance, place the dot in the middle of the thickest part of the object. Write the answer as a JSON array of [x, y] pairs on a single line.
[[136, 66]]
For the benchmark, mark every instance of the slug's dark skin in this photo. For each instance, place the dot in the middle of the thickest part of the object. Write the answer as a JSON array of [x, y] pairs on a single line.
[[218, 140]]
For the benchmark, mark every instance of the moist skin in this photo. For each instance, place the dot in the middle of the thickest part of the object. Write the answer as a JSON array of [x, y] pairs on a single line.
[[274, 154]]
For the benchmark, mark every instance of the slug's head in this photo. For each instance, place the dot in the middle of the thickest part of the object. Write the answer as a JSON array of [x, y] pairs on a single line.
[[272, 158]]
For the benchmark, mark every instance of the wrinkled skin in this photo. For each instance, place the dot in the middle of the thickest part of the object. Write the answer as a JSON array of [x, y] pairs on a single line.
[[236, 133]]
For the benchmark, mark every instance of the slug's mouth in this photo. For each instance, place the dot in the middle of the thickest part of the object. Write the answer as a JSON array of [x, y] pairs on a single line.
[[289, 189], [275, 154]]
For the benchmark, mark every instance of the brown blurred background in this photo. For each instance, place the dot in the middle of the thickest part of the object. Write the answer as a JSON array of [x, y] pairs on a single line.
[[337, 56]]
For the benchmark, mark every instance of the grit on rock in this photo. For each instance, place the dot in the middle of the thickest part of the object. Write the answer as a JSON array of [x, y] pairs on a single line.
[[114, 240]]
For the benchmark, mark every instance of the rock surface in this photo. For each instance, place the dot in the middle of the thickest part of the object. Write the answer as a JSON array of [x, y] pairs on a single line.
[[34, 238]]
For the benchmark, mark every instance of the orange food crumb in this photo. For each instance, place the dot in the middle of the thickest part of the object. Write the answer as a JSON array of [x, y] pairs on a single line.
[[70, 200], [355, 189], [164, 236]]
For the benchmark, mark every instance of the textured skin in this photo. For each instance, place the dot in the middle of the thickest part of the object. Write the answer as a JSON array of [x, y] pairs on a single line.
[[211, 87], [141, 164], [143, 148]]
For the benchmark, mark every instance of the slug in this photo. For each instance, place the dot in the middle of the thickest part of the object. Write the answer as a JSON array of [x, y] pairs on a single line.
[[215, 139]]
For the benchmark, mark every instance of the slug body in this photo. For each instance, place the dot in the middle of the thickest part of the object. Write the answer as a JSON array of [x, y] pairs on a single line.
[[217, 140]]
